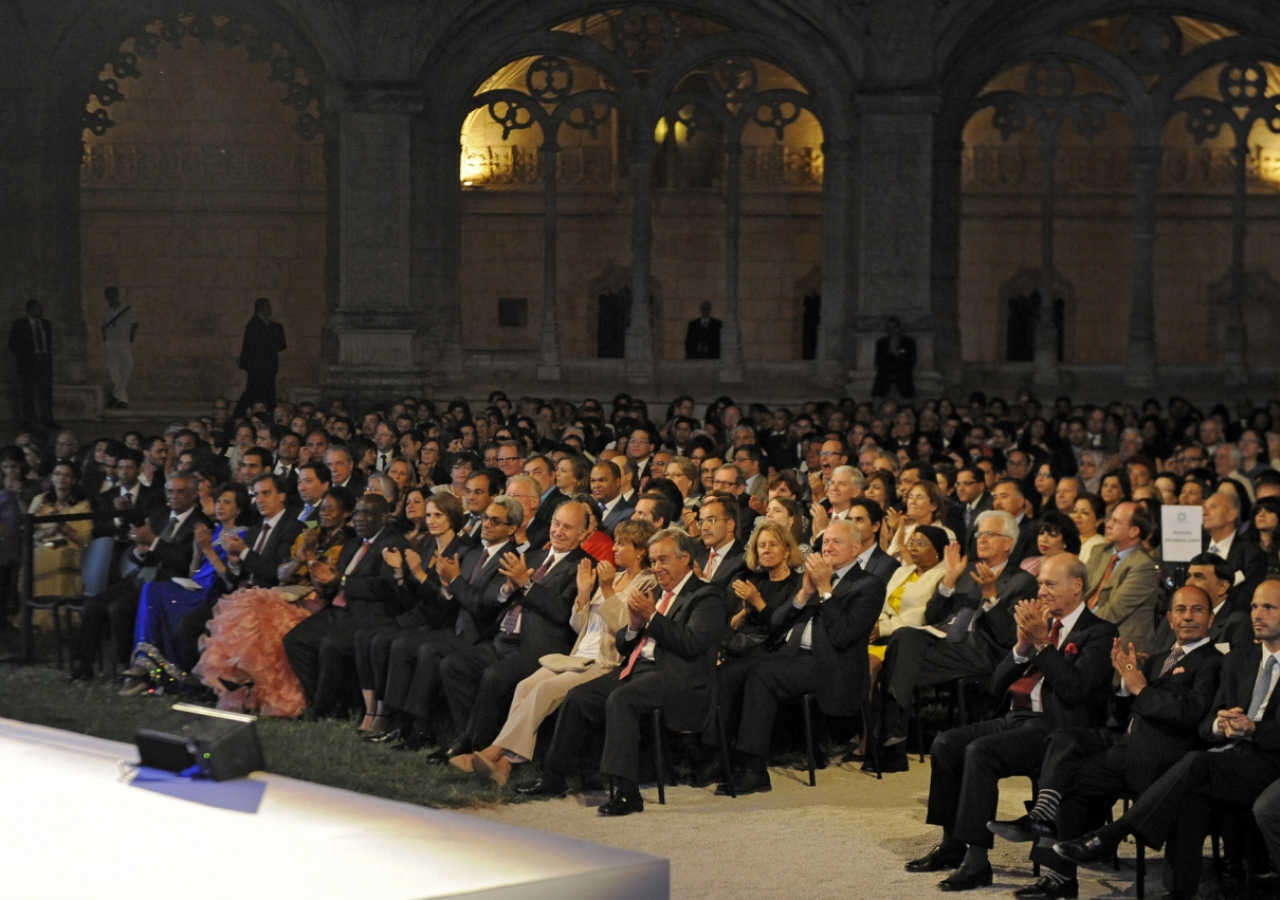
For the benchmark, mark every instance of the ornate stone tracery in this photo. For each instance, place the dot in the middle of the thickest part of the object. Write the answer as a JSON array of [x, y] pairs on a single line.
[[303, 92]]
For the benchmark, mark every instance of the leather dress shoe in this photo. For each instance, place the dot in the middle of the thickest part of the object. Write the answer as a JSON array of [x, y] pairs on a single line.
[[1085, 850], [940, 858], [746, 782], [410, 741], [705, 775], [966, 878], [622, 805], [1022, 830], [549, 785], [382, 737], [1046, 888], [444, 754]]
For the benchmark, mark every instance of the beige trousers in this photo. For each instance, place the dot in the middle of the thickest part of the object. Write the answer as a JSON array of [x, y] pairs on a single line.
[[537, 697]]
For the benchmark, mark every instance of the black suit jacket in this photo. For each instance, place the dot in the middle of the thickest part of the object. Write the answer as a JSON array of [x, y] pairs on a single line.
[[970, 533], [1231, 627], [262, 569], [539, 530], [1163, 722], [478, 598], [1077, 677], [702, 342], [546, 606], [1249, 559], [622, 511], [1025, 545], [170, 558], [841, 627], [895, 367], [370, 590], [732, 568], [425, 603], [112, 522], [687, 643], [262, 344], [1235, 689], [995, 629], [22, 341], [356, 483], [882, 565]]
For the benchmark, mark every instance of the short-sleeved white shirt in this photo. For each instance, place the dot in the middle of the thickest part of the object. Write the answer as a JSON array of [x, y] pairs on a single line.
[[119, 330]]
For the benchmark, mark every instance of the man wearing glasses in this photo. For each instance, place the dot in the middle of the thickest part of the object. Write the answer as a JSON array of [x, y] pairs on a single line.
[[972, 499], [722, 558], [639, 450], [969, 624]]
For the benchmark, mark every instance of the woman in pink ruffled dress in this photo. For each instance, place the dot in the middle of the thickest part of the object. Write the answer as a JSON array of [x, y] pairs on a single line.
[[243, 657]]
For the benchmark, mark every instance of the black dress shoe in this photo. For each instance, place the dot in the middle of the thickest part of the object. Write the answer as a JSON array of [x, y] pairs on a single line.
[[1085, 850], [705, 775], [966, 878], [1022, 830], [940, 858], [622, 805], [444, 754], [382, 737], [747, 782], [1046, 888], [550, 784], [897, 763]]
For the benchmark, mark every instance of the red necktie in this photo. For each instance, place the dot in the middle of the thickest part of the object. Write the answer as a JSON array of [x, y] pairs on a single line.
[[711, 564], [1111, 566], [340, 601], [1022, 688], [663, 605]]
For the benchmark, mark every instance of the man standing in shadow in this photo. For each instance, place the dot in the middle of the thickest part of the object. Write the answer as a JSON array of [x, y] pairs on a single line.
[[259, 357], [31, 342], [702, 339], [895, 360]]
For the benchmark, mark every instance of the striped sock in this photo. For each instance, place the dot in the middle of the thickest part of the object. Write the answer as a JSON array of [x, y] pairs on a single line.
[[1046, 808]]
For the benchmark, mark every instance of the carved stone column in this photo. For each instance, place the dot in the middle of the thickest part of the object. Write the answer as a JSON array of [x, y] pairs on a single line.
[[895, 179], [640, 331], [731, 337], [835, 353], [1140, 359], [549, 353], [373, 327]]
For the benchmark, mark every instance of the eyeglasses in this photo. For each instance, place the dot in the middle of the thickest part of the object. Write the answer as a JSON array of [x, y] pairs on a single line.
[[708, 520], [639, 441], [992, 535], [494, 520]]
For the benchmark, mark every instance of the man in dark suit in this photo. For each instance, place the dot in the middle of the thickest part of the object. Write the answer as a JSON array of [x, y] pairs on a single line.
[[1161, 704], [1231, 629], [360, 592], [31, 343], [532, 621], [669, 651], [342, 469], [1221, 522], [542, 470], [823, 649], [478, 492], [969, 623], [161, 551], [1058, 675], [868, 515], [128, 502], [259, 357], [702, 337], [972, 499], [721, 558], [470, 593], [606, 489], [313, 481], [1007, 496], [895, 360], [1245, 728]]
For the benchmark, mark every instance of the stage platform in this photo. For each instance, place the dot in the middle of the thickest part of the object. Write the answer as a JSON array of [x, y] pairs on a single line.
[[71, 827]]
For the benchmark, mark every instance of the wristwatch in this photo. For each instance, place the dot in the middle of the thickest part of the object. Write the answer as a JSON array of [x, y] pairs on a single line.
[[825, 595]]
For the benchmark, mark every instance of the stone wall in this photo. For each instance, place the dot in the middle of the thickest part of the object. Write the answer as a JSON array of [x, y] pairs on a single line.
[[199, 200]]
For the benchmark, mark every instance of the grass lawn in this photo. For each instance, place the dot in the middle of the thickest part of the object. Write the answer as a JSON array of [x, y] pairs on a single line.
[[328, 752]]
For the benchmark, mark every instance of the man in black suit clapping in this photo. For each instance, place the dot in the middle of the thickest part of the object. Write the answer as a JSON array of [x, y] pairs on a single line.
[[1058, 675], [669, 651], [1162, 704], [360, 591], [1245, 727]]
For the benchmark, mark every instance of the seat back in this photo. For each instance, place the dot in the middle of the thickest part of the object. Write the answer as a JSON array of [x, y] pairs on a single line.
[[95, 565]]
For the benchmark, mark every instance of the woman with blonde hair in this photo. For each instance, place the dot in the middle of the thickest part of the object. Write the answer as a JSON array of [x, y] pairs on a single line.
[[683, 473], [773, 556], [599, 613]]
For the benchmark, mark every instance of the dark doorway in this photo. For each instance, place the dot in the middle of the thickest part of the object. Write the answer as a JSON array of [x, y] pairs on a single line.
[[611, 326], [809, 326], [1024, 316]]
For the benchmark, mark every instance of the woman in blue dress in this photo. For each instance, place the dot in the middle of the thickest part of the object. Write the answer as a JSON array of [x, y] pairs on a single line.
[[163, 603]]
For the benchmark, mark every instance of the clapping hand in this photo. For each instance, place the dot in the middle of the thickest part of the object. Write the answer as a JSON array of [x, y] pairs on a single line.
[[748, 593], [448, 568], [986, 580], [817, 487], [392, 557], [956, 561], [1128, 667], [586, 580], [513, 567], [606, 572], [819, 572], [821, 520], [757, 505], [894, 519], [1033, 623], [203, 537], [641, 606]]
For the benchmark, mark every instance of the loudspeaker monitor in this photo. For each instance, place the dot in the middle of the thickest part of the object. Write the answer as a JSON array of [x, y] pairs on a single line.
[[223, 745]]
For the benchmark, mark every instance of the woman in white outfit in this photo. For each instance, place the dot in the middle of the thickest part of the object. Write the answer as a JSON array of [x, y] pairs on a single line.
[[599, 613]]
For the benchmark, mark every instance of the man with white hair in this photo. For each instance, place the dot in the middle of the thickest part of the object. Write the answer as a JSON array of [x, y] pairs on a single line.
[[969, 625], [845, 486], [1226, 464]]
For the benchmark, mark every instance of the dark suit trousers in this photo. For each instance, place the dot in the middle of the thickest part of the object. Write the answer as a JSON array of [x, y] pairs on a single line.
[[915, 658], [260, 387], [1266, 810], [413, 670], [1086, 767], [321, 649], [967, 765], [1177, 806], [469, 684], [191, 628], [731, 681], [373, 653], [35, 390], [620, 706], [768, 684], [112, 612]]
